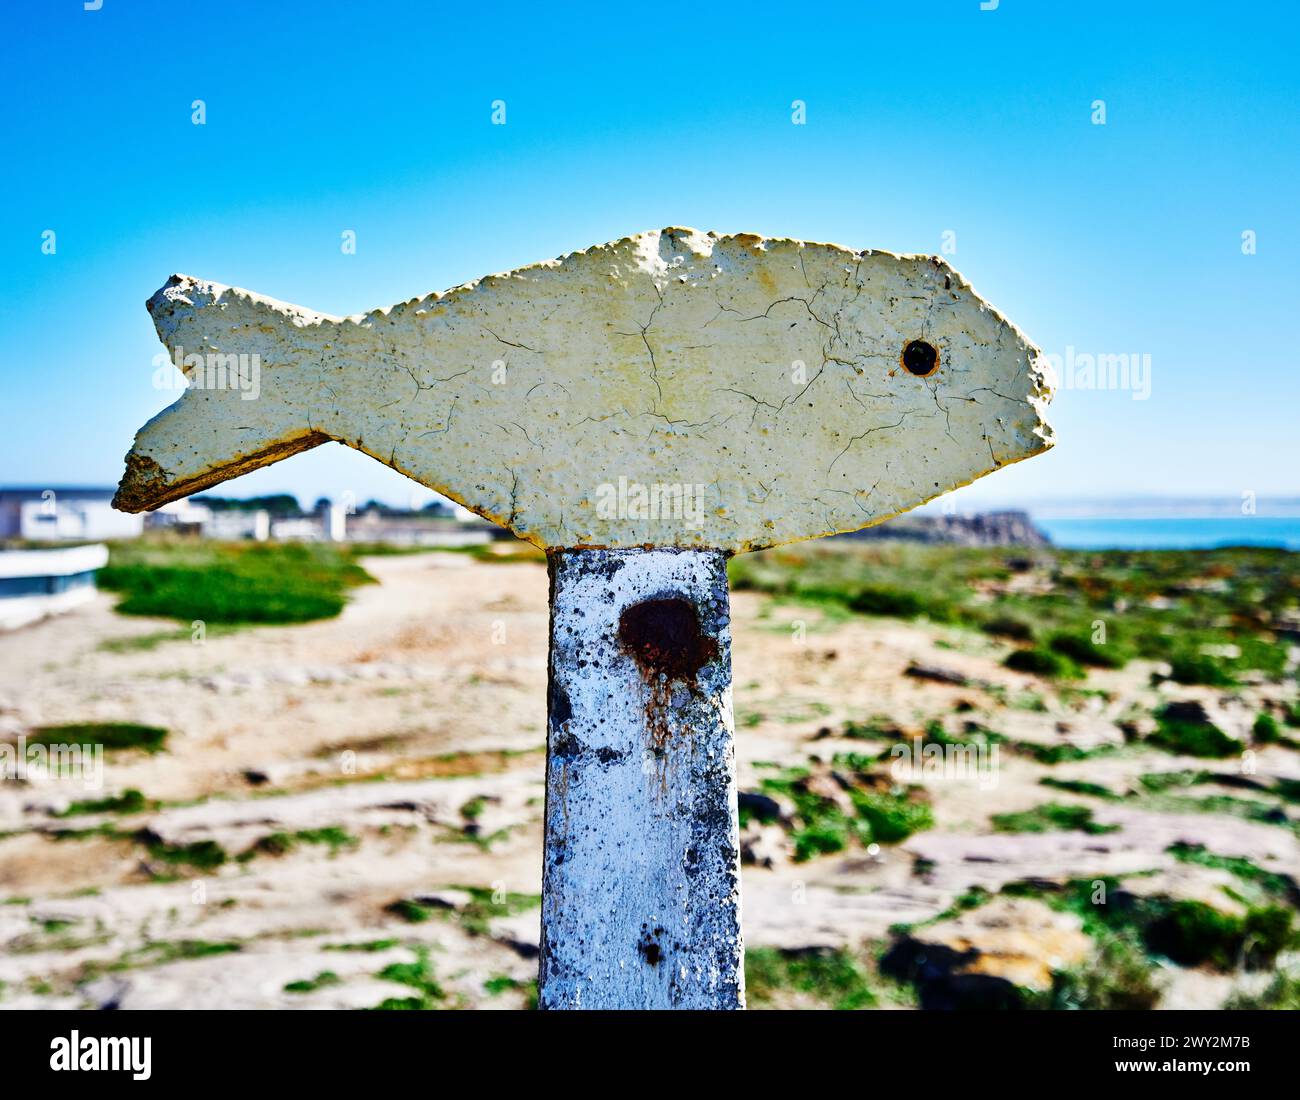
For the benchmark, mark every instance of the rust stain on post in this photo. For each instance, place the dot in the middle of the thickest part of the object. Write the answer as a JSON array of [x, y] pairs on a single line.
[[663, 635]]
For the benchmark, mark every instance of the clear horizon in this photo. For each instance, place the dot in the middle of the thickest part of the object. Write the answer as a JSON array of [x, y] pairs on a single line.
[[1102, 508]]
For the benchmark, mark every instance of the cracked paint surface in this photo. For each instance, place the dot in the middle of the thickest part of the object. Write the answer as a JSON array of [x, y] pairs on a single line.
[[767, 372]]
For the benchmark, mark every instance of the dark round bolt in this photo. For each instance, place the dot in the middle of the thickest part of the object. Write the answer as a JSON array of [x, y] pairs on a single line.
[[920, 358]]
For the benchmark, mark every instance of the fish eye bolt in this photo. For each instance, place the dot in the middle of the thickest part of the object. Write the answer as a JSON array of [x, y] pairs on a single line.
[[920, 358]]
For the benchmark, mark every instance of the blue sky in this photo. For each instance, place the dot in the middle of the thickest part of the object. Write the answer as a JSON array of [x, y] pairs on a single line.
[[922, 118]]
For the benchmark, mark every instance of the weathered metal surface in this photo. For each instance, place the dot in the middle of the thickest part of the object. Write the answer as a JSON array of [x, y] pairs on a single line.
[[640, 887], [673, 388]]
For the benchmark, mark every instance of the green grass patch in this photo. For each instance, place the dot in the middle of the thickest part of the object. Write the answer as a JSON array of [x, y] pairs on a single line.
[[369, 946], [1051, 817], [972, 735], [1079, 786], [1042, 662], [823, 825], [232, 583], [409, 1004], [1084, 651], [201, 855], [1189, 933], [899, 603], [1246, 809], [475, 915], [1282, 993], [971, 899], [1192, 738], [168, 951], [129, 801], [410, 911], [878, 727], [55, 925], [334, 837], [889, 816], [1159, 782], [1266, 730], [420, 977], [1177, 604], [503, 983], [1197, 668], [1119, 977], [113, 736], [835, 979], [144, 643], [1007, 626], [472, 834], [1058, 754], [1271, 883], [1192, 933], [281, 843], [309, 985], [487, 905]]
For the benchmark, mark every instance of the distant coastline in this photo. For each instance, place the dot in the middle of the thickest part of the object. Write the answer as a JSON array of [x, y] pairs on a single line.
[[1005, 528], [1171, 532], [1114, 523]]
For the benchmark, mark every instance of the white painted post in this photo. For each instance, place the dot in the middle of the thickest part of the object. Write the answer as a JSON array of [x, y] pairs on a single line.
[[641, 879]]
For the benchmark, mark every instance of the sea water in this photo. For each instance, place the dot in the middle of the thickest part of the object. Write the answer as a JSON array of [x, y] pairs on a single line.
[[1172, 532]]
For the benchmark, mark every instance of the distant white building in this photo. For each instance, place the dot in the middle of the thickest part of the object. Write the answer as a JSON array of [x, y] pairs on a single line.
[[297, 529], [186, 516], [57, 514], [238, 524], [178, 515], [35, 584]]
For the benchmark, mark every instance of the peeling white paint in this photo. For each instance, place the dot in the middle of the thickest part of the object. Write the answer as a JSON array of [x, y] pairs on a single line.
[[768, 372], [641, 881]]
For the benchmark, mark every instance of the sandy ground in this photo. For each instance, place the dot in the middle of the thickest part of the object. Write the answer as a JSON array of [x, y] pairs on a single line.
[[415, 723]]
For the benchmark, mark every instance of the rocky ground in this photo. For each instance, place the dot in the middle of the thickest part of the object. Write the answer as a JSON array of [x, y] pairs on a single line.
[[347, 813]]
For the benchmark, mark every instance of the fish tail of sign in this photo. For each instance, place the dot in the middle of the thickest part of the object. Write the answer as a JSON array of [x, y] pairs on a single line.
[[228, 355]]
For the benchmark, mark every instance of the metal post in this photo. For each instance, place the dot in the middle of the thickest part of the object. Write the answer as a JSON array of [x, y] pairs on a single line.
[[641, 877]]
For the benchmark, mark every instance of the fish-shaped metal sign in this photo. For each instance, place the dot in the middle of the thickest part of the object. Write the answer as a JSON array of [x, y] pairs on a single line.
[[642, 409], [673, 388]]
